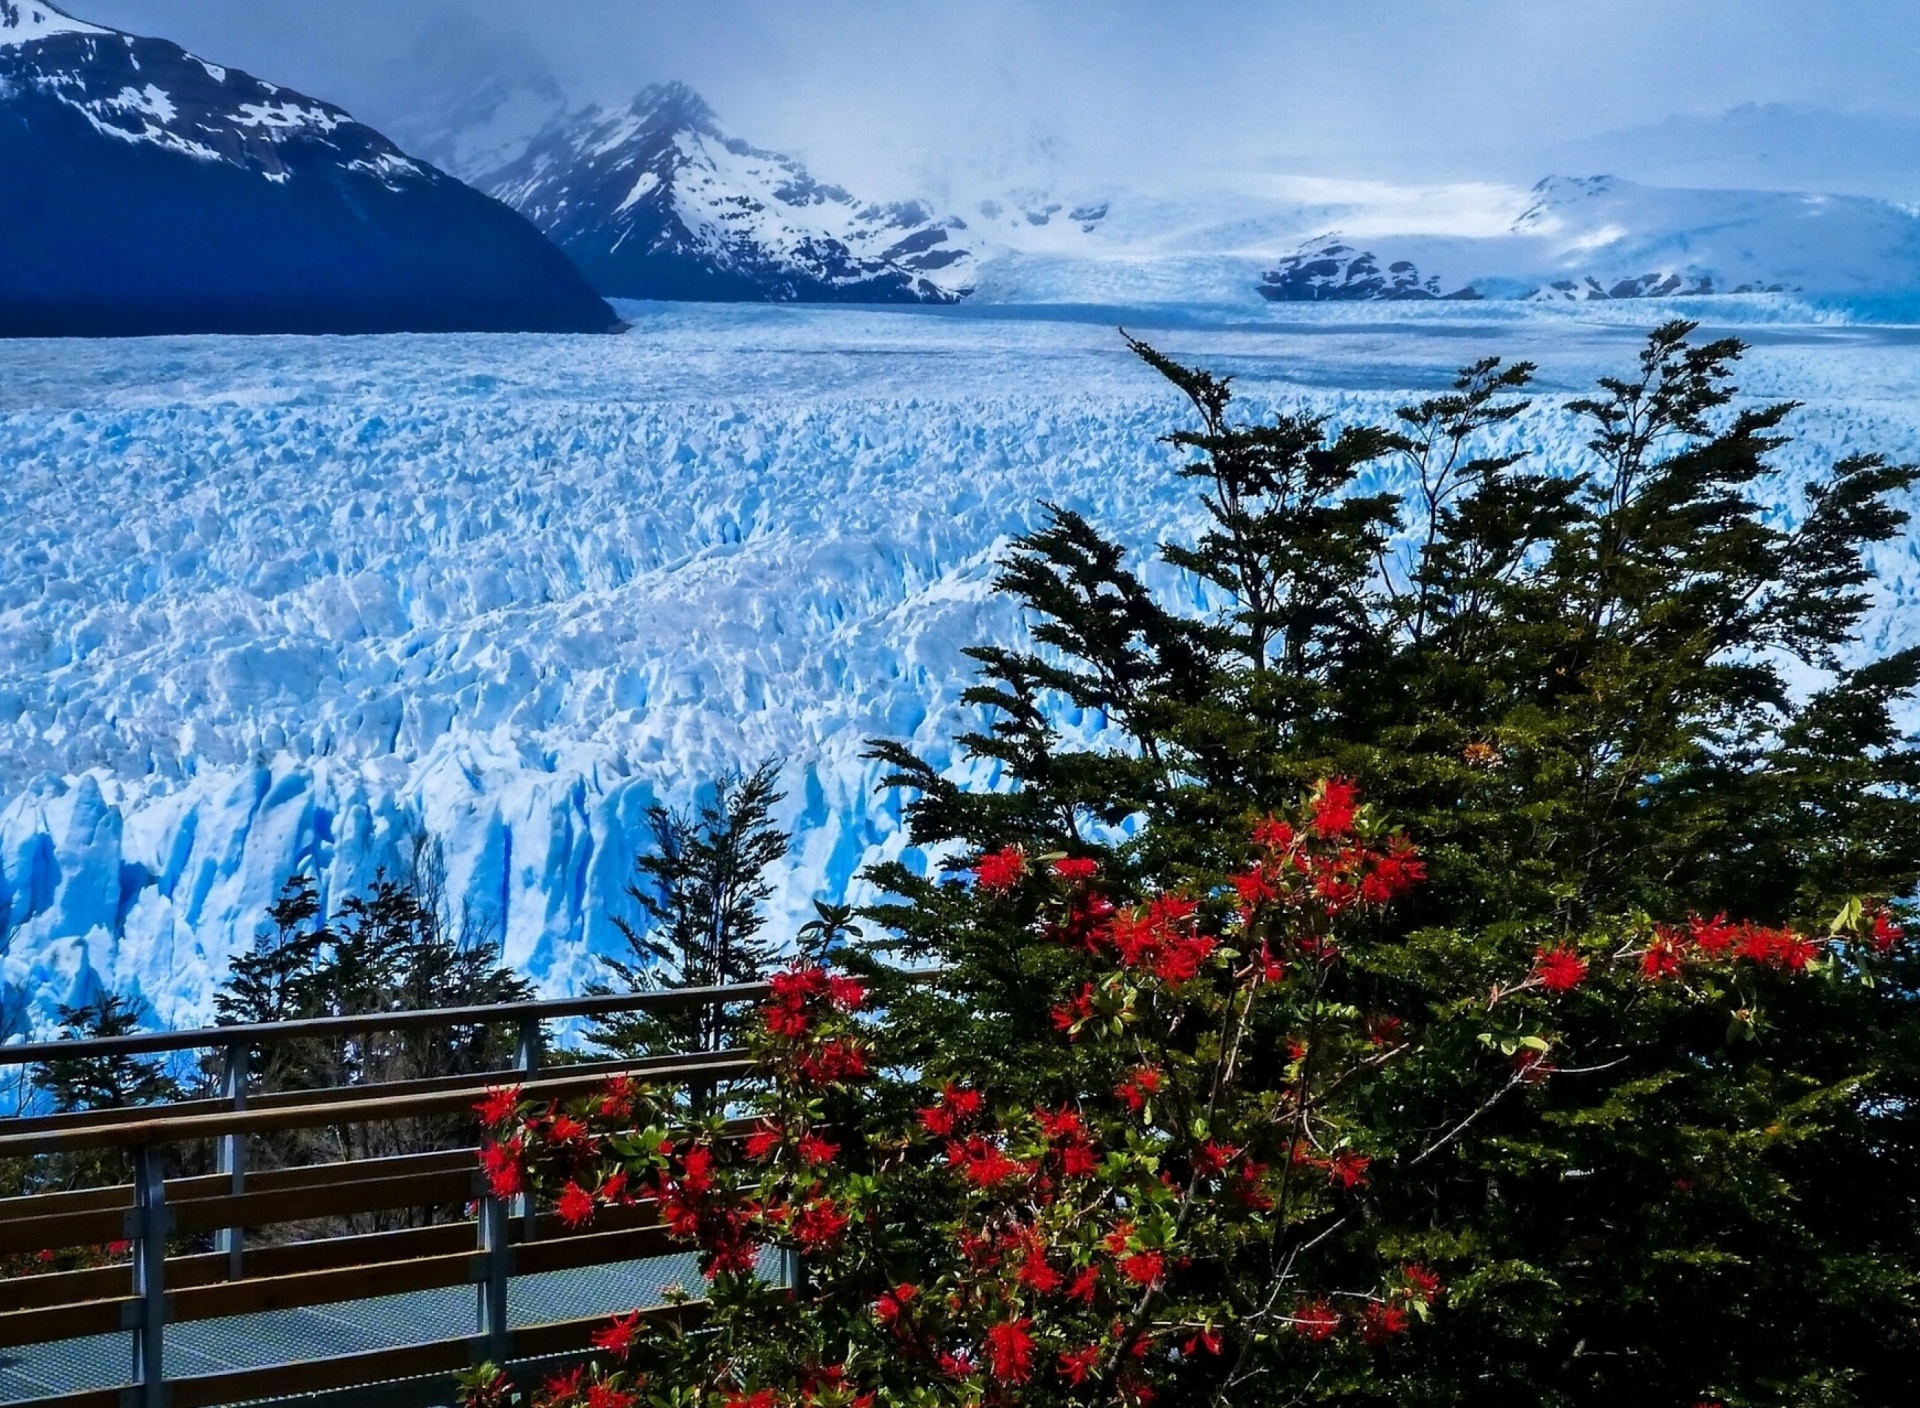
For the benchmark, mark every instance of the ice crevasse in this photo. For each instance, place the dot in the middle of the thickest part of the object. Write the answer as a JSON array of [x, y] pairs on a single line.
[[280, 604]]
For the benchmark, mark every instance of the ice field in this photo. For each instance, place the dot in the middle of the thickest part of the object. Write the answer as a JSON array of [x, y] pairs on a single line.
[[277, 603]]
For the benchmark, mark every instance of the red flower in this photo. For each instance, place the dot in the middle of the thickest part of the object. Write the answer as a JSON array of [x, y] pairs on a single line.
[[819, 1224], [499, 1106], [1558, 969], [603, 1395], [501, 1163], [1076, 1364], [563, 1388], [1116, 1240], [1179, 962], [1076, 870], [763, 1141], [1144, 1268], [1714, 936], [1254, 889], [958, 1365], [1001, 870], [1035, 1271], [1138, 1087], [1392, 873], [817, 1150], [1886, 933], [789, 1022], [1380, 1323], [1662, 957], [982, 1164], [565, 1129], [1010, 1351], [1422, 1282], [1316, 1320], [847, 994], [954, 1105], [575, 1206], [893, 1304], [1333, 808], [1078, 1159], [835, 1061], [1272, 970], [1348, 1168], [696, 1170], [1798, 951], [1083, 1285], [1207, 1340], [618, 1338], [1213, 1158], [1272, 835]]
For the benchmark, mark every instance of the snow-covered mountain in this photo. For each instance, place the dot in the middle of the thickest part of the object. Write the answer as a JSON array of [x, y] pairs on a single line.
[[466, 95], [145, 190], [1601, 238], [654, 200]]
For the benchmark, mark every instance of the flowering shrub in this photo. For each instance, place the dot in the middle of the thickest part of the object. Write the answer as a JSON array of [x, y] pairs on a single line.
[[1182, 1213]]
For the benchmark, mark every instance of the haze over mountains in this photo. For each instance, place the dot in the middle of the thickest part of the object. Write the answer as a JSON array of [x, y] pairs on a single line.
[[171, 193]]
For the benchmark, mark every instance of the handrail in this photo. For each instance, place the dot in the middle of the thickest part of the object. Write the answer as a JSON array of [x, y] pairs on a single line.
[[257, 1033], [179, 1128]]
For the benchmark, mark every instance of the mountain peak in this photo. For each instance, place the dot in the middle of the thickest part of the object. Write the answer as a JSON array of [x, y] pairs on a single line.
[[23, 21], [674, 104], [656, 201]]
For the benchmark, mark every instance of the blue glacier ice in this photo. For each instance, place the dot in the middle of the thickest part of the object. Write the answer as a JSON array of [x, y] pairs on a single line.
[[280, 603]]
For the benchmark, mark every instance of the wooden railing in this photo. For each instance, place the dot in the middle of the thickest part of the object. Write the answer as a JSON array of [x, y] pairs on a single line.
[[166, 1283]]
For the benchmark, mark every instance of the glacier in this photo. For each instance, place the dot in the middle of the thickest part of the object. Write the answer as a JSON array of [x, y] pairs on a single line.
[[280, 603]]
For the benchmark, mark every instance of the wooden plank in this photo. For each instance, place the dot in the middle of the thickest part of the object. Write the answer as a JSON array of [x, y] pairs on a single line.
[[263, 1209], [355, 1170], [66, 1322], [594, 1249], [114, 1195], [162, 1130], [266, 1033], [365, 1249], [341, 1371], [63, 1230], [346, 1283]]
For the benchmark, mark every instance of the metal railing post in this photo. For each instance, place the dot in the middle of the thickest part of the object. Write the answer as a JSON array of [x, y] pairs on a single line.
[[493, 1287], [527, 1052], [230, 1155], [149, 1276]]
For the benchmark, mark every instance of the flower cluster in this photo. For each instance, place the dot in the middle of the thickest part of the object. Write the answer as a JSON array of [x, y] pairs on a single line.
[[974, 1237]]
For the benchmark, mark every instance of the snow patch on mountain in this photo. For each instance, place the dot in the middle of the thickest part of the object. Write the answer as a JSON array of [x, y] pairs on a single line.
[[1598, 238], [655, 200], [24, 21]]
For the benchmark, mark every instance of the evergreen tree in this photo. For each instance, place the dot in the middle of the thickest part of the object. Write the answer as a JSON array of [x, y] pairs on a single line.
[[394, 948], [1601, 692], [699, 891], [103, 1082]]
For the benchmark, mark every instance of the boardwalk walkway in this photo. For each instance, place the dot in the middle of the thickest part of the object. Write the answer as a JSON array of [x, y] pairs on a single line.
[[217, 1307]]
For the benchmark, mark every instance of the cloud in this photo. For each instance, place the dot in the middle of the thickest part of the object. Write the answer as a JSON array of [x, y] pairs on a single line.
[[902, 95]]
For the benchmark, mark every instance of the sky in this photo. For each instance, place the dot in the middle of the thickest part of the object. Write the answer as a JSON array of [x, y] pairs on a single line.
[[896, 97]]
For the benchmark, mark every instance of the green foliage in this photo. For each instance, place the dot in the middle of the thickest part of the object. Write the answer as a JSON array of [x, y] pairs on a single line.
[[1600, 694], [699, 891], [393, 948], [105, 1082]]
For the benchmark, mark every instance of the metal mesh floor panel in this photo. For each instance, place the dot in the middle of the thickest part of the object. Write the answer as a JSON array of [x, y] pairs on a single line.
[[350, 1327]]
